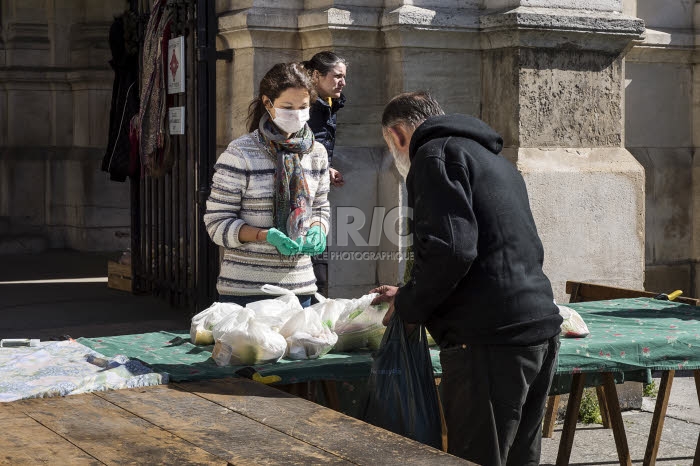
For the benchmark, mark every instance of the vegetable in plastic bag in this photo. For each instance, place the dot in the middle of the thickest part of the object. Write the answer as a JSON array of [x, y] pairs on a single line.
[[329, 310], [306, 335], [402, 393], [360, 324], [243, 340], [204, 322], [573, 325]]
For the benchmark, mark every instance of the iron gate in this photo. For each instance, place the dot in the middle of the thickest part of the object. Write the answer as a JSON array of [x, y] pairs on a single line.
[[172, 256]]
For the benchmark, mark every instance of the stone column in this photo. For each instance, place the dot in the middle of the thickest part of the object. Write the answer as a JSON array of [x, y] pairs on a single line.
[[260, 33], [353, 30], [393, 46], [552, 85]]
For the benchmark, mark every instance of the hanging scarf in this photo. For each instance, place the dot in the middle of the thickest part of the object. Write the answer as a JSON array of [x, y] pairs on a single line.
[[153, 133], [291, 207]]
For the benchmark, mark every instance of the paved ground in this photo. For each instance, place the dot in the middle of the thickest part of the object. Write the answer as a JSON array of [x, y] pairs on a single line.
[[46, 310], [79, 309]]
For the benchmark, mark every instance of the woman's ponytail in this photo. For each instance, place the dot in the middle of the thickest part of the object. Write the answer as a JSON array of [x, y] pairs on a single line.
[[256, 110]]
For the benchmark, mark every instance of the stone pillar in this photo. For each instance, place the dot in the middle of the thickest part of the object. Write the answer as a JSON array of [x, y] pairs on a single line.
[[431, 45], [552, 85], [353, 31], [260, 33]]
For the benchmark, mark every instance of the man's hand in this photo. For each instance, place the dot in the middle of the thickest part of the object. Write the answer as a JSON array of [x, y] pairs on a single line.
[[386, 295], [336, 177]]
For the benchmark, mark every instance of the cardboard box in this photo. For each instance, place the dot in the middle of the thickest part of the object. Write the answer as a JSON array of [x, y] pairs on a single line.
[[119, 276]]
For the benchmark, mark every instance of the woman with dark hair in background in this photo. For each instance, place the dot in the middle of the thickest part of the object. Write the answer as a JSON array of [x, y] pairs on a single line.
[[269, 200], [328, 75]]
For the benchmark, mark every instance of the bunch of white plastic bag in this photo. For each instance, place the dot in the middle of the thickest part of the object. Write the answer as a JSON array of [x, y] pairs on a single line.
[[267, 330]]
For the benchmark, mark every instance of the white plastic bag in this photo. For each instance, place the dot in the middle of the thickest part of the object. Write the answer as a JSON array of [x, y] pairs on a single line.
[[573, 325], [306, 335], [275, 311], [302, 345], [271, 312], [284, 295], [204, 322], [329, 310], [242, 340], [360, 324]]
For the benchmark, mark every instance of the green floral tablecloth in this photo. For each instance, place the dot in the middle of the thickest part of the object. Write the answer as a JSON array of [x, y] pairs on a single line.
[[172, 353], [628, 336]]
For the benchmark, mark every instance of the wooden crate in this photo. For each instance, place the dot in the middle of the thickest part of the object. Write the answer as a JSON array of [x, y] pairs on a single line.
[[119, 276]]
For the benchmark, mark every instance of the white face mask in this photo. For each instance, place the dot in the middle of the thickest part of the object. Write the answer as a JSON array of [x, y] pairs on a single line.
[[290, 121]]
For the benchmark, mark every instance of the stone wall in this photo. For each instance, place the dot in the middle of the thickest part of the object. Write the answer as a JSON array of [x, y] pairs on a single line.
[[661, 94], [598, 120], [55, 91]]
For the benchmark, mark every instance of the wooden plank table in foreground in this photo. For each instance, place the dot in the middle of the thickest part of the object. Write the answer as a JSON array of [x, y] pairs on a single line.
[[228, 421]]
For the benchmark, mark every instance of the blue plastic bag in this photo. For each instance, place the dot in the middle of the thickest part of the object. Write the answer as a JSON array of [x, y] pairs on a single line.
[[402, 393]]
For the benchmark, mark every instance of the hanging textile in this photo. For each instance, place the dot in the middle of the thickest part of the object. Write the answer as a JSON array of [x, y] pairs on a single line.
[[152, 122]]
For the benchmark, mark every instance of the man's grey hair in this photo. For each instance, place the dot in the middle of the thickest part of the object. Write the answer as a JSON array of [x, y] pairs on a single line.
[[410, 109]]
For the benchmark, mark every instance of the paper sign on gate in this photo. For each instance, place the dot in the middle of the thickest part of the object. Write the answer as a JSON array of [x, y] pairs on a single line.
[[176, 120], [176, 65]]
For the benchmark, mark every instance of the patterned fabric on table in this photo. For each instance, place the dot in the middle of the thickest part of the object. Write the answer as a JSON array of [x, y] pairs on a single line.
[[628, 337], [629, 334], [174, 354], [67, 368]]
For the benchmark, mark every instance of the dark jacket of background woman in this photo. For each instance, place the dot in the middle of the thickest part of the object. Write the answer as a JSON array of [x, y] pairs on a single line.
[[323, 122]]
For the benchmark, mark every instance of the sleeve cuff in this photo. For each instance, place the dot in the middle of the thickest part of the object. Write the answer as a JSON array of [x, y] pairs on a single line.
[[232, 240]]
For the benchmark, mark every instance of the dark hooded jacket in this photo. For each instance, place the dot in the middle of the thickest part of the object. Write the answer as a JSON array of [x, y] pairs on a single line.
[[323, 120], [477, 276]]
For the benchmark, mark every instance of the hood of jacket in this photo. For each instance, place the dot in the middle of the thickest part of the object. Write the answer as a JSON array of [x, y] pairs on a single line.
[[456, 125]]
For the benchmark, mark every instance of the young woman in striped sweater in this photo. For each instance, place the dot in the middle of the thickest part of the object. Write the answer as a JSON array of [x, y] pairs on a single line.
[[268, 205]]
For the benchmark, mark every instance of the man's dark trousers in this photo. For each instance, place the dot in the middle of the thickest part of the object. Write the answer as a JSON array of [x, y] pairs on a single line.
[[494, 398]]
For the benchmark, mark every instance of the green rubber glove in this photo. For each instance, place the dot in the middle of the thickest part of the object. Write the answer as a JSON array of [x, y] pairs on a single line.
[[315, 242], [284, 244]]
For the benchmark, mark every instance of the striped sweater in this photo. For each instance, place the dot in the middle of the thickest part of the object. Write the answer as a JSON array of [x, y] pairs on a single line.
[[242, 193]]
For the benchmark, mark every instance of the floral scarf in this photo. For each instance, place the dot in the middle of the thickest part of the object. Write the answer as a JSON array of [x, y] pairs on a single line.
[[291, 208]]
